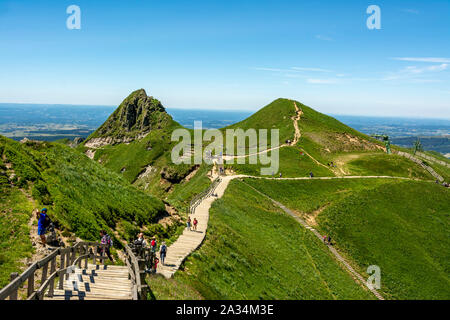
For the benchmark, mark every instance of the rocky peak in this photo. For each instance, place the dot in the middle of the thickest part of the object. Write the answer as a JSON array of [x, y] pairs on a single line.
[[133, 119]]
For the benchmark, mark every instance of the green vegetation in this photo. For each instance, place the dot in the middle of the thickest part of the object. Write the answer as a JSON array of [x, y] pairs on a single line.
[[254, 251], [136, 115], [291, 164], [308, 196], [182, 193], [401, 226], [276, 115], [82, 195], [15, 245], [387, 165], [171, 289]]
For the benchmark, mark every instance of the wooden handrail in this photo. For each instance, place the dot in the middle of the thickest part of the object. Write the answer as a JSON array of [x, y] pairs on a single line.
[[68, 257], [195, 202], [136, 270]]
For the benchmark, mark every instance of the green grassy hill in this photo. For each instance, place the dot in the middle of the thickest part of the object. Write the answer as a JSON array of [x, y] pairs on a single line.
[[81, 195], [401, 226], [255, 251], [276, 115]]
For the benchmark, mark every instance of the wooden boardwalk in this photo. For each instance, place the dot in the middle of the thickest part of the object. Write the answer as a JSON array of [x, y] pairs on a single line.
[[97, 282], [191, 240]]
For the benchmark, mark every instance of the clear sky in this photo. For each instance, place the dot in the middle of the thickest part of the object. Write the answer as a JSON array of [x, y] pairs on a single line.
[[230, 54]]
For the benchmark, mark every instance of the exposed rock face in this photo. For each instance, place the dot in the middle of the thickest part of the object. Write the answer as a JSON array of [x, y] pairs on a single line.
[[78, 140], [136, 116]]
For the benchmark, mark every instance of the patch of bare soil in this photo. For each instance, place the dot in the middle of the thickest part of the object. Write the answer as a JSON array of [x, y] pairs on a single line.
[[192, 174], [311, 217]]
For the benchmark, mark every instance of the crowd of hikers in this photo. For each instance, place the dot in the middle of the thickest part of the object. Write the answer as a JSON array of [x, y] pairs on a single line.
[[153, 246]]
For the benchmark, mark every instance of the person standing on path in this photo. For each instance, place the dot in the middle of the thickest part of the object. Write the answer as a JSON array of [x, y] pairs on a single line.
[[195, 224], [163, 252], [43, 222], [189, 223], [106, 240], [153, 244], [141, 240]]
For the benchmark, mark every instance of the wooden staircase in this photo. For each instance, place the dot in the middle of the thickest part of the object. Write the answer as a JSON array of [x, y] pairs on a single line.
[[73, 274], [97, 282]]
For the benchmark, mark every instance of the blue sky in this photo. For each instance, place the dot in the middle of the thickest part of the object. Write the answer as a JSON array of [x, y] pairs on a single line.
[[230, 54]]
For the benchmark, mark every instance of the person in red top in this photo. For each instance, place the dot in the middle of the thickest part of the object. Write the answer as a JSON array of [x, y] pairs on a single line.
[[155, 265], [153, 244], [195, 224]]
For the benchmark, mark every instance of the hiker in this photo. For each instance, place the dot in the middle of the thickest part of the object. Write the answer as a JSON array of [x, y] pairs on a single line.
[[153, 244], [163, 252], [43, 223], [311, 175], [141, 240], [189, 223], [155, 266], [106, 240], [329, 240], [195, 224], [325, 238], [280, 175]]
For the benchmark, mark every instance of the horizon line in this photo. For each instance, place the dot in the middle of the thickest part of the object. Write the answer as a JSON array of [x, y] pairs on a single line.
[[229, 110]]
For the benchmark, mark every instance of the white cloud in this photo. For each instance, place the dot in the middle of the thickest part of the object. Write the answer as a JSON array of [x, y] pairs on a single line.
[[311, 69], [432, 60], [324, 38], [321, 81], [412, 71]]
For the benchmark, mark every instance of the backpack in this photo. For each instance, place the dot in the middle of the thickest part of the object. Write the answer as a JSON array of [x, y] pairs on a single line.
[[163, 248], [47, 221], [153, 243], [109, 241]]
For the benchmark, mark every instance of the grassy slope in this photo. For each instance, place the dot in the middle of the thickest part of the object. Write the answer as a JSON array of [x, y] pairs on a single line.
[[182, 194], [254, 251], [276, 115], [397, 225], [15, 212], [387, 165], [82, 195], [308, 196], [291, 164]]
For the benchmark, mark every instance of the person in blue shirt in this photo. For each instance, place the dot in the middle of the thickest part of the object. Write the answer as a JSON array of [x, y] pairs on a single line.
[[42, 224]]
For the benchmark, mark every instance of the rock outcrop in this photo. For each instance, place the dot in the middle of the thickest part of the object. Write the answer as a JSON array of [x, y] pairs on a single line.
[[136, 116]]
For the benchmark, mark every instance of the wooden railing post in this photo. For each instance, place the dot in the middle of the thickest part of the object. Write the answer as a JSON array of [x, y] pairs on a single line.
[[51, 289], [68, 263], [61, 265], [74, 255], [30, 288], [95, 254], [142, 275], [13, 295], [44, 272], [103, 254], [87, 258]]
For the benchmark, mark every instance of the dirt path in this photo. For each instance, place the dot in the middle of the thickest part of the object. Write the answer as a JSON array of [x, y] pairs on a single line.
[[297, 136], [355, 275]]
